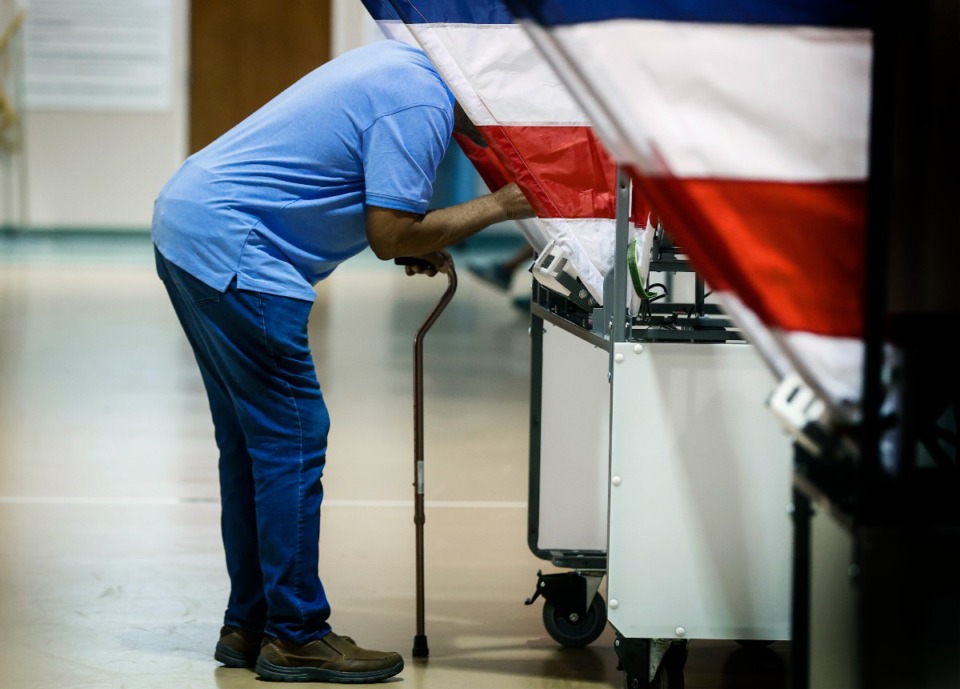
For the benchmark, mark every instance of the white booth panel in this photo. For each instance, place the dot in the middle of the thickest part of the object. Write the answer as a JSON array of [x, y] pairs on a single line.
[[700, 537], [574, 442]]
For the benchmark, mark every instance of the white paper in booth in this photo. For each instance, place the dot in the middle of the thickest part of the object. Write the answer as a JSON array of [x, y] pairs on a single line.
[[644, 238], [583, 248]]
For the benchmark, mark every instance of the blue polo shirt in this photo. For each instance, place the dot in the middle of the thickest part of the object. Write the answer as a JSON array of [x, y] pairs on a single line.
[[278, 201]]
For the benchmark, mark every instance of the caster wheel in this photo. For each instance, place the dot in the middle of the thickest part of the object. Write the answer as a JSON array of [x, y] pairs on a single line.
[[571, 630], [668, 676]]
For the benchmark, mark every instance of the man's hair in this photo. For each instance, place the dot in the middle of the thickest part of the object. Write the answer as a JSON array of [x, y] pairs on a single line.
[[463, 125]]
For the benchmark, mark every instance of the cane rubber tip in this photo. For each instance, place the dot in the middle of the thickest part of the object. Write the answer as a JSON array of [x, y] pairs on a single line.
[[420, 649]]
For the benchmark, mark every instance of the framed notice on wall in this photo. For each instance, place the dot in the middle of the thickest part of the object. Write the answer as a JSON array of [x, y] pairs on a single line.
[[97, 55]]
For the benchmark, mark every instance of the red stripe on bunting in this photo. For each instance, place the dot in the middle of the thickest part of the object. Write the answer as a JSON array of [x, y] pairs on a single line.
[[793, 252], [487, 163], [565, 171]]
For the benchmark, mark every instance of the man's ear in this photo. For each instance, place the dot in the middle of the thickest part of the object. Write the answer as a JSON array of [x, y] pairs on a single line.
[[463, 125]]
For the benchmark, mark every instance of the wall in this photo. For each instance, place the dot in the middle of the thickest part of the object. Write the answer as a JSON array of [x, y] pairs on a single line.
[[102, 170], [11, 129], [97, 169]]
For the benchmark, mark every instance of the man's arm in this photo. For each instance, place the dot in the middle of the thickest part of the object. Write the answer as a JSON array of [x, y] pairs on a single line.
[[392, 233]]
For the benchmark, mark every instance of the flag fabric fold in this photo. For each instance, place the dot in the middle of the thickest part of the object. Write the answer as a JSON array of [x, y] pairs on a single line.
[[536, 133], [746, 127], [743, 125]]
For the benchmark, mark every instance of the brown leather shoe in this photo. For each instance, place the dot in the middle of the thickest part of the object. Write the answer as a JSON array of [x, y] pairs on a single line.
[[238, 647], [333, 658]]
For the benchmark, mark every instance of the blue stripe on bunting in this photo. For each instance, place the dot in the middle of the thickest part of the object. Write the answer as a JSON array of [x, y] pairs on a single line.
[[825, 13], [381, 10], [440, 11]]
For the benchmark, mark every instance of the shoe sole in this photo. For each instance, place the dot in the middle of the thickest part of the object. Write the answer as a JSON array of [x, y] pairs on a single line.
[[233, 658], [279, 673]]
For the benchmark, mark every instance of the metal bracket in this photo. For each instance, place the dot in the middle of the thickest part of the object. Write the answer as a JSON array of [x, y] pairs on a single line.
[[799, 411]]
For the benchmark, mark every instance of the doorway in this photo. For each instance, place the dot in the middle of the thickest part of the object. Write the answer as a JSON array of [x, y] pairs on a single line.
[[244, 52]]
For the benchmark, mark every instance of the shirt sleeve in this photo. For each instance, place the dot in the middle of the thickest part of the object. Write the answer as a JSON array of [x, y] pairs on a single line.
[[401, 153]]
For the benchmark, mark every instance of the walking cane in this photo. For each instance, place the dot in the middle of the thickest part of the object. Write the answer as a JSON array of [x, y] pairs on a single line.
[[420, 648]]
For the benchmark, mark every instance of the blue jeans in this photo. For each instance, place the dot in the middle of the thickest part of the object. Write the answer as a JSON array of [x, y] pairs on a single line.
[[271, 425]]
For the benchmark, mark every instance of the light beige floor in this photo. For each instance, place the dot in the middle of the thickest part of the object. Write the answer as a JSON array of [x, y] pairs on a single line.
[[111, 572]]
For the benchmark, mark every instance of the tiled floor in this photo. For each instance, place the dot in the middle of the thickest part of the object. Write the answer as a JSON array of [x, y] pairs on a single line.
[[111, 572]]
